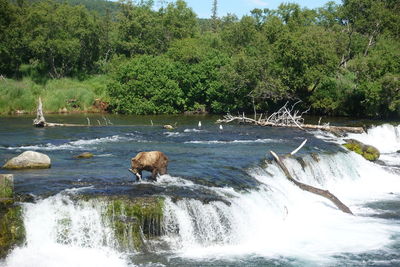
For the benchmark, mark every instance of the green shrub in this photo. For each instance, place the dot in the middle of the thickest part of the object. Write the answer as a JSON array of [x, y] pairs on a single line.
[[146, 85]]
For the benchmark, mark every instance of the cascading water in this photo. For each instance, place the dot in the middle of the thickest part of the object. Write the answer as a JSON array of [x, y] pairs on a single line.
[[386, 138], [60, 232], [279, 219]]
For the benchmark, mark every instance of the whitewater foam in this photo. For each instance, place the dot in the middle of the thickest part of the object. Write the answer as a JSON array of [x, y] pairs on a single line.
[[62, 233], [76, 145], [385, 137], [194, 130], [279, 219], [235, 141], [173, 134]]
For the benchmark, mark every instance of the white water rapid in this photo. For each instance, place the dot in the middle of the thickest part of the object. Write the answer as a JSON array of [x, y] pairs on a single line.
[[279, 219], [62, 233], [386, 138]]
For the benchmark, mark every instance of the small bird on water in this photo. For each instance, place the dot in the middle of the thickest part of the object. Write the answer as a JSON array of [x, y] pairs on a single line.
[[199, 124], [220, 127]]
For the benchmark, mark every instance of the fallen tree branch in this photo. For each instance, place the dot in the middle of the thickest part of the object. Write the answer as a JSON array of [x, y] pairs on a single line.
[[324, 193], [40, 121], [297, 149]]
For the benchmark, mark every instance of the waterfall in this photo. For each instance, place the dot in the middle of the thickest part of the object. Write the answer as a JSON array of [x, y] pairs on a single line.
[[61, 232], [385, 137], [275, 219], [279, 219]]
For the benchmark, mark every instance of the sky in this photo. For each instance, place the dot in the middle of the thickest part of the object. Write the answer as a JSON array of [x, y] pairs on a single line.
[[242, 7]]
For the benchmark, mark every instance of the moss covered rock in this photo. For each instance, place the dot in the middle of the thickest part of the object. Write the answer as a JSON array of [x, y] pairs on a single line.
[[368, 152], [84, 155], [12, 231], [135, 221]]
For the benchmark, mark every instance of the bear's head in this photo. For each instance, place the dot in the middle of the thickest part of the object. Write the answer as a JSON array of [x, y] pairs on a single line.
[[136, 167]]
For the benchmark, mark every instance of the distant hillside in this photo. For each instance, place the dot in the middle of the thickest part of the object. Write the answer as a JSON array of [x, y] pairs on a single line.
[[99, 6]]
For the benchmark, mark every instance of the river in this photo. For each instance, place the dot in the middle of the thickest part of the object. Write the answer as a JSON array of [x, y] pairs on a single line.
[[253, 215]]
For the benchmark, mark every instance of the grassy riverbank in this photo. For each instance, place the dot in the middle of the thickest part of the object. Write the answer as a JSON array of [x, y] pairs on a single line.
[[58, 95]]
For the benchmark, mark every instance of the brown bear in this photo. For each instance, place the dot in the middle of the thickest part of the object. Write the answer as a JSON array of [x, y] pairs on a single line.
[[155, 162]]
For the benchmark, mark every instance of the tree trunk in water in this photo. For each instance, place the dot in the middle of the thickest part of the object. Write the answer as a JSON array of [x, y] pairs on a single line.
[[40, 121], [324, 193]]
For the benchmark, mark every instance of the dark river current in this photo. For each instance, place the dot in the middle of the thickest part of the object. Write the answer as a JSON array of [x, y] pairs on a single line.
[[268, 221]]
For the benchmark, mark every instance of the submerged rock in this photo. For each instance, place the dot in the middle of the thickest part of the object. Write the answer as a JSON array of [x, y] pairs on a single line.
[[84, 155], [369, 152], [29, 160]]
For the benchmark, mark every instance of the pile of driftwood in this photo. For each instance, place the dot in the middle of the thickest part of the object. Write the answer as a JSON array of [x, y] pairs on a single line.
[[288, 117]]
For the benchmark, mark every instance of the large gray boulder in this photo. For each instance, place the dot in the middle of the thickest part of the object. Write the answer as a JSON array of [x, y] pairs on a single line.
[[29, 160]]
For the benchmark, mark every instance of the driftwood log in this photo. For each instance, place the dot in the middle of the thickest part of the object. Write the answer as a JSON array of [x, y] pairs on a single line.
[[40, 121], [288, 117], [324, 193]]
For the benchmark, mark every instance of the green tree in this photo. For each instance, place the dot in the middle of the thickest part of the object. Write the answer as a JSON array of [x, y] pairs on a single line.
[[13, 41], [179, 21], [62, 38], [305, 57], [199, 62], [141, 30], [369, 17]]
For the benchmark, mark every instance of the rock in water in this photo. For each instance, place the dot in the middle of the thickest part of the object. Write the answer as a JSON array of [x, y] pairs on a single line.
[[370, 153], [29, 160], [168, 127], [84, 155]]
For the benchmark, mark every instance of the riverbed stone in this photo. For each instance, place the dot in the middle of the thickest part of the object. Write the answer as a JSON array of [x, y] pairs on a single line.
[[29, 160], [85, 155], [369, 152]]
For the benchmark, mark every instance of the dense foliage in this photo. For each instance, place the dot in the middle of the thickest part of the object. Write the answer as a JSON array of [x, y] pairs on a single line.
[[339, 59]]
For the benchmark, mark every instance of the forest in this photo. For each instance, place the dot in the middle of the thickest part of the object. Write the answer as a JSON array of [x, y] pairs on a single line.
[[339, 59]]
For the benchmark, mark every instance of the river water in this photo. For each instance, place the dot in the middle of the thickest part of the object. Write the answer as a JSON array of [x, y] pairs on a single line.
[[234, 207]]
